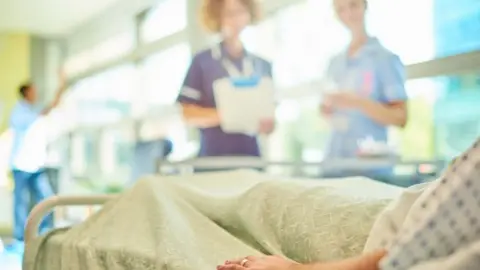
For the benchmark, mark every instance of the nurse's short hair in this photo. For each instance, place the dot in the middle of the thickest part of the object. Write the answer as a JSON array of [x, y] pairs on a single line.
[[23, 89], [211, 13]]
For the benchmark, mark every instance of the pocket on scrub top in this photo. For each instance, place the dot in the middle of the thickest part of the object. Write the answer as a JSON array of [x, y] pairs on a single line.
[[367, 84]]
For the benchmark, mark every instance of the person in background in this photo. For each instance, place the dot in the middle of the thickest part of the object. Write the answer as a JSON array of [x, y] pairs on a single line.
[[27, 165], [147, 155], [228, 18], [370, 94]]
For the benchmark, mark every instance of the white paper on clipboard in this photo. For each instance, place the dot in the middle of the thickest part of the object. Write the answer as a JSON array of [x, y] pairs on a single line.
[[242, 108]]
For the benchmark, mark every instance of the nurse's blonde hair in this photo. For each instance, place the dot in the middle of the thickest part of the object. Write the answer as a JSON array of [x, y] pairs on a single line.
[[211, 13]]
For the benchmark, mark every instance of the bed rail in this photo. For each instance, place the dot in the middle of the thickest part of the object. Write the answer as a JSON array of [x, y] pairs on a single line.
[[242, 162], [43, 208]]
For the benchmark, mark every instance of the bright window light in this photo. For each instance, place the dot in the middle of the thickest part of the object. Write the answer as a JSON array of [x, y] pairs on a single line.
[[167, 18], [163, 74], [108, 50]]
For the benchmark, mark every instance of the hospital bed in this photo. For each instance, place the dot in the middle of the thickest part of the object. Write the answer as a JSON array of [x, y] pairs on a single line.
[[194, 221]]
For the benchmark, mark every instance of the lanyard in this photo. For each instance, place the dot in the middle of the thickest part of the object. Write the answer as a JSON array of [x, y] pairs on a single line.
[[231, 69], [234, 72]]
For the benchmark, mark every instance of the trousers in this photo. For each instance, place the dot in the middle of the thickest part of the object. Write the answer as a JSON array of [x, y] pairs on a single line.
[[29, 186], [147, 155]]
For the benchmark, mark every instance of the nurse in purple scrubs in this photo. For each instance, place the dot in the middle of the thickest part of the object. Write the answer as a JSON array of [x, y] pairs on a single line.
[[228, 18], [370, 94]]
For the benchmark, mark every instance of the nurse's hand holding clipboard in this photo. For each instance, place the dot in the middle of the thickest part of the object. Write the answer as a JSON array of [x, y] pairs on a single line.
[[266, 126], [201, 117]]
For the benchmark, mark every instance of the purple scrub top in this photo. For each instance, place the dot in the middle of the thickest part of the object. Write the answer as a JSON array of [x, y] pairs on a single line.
[[205, 69]]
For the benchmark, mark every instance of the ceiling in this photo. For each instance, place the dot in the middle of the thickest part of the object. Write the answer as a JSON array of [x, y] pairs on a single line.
[[48, 17]]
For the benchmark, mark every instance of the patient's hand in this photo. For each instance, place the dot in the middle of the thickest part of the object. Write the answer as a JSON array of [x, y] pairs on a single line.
[[367, 261], [259, 263], [364, 262]]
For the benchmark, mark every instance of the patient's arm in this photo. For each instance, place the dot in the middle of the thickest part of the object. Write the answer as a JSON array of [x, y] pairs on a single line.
[[367, 261]]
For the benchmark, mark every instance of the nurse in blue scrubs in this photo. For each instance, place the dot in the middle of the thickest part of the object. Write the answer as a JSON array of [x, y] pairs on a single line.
[[228, 59], [370, 94]]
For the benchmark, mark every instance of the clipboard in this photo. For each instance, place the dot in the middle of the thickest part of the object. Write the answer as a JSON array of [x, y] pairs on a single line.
[[244, 102]]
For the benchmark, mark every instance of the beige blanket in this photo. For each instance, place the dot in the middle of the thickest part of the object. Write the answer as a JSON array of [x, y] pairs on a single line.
[[197, 222]]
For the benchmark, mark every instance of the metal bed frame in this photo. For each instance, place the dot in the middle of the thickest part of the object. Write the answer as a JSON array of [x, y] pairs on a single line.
[[47, 206], [256, 162], [43, 208]]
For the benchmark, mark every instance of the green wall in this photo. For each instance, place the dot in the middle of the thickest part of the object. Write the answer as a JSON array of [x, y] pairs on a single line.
[[14, 70]]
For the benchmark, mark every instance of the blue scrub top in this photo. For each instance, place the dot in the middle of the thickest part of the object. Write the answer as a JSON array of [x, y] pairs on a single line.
[[376, 73], [22, 118], [206, 68]]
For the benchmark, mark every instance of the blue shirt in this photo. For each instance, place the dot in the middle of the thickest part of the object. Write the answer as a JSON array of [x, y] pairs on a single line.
[[206, 68], [376, 73], [22, 118]]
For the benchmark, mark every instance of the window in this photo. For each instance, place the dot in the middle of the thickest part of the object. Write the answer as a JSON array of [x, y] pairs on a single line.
[[307, 34], [444, 116], [111, 49], [260, 39], [105, 97], [309, 42], [77, 161], [303, 35], [457, 24], [162, 77], [444, 120], [169, 17], [78, 63], [84, 157], [116, 150], [457, 114], [105, 154], [163, 74], [434, 28], [413, 38]]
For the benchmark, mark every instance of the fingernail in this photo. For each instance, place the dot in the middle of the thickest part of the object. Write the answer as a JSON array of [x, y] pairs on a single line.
[[227, 262]]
